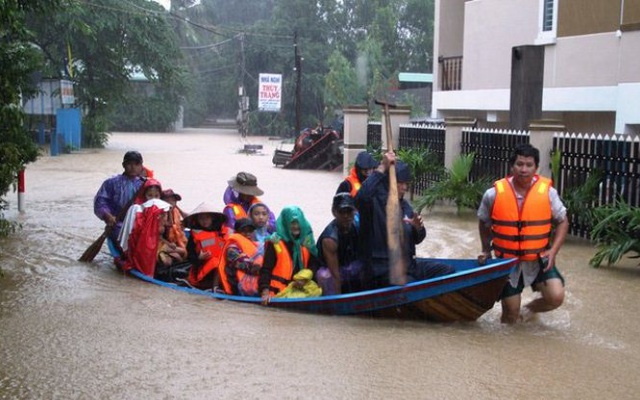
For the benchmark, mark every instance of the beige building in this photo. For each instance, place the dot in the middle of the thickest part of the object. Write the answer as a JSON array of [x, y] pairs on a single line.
[[591, 60]]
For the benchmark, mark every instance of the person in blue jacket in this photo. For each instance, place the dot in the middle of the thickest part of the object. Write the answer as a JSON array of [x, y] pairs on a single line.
[[373, 250]]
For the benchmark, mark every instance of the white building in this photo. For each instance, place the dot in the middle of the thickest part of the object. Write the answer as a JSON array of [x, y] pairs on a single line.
[[591, 72]]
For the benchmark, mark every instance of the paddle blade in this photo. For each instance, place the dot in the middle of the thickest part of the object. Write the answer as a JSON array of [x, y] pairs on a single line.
[[92, 251], [395, 234]]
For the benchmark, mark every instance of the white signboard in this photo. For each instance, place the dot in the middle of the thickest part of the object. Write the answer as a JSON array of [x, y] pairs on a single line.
[[270, 92], [66, 92]]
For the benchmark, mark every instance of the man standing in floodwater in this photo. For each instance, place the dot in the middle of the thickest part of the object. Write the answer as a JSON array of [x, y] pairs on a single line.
[[515, 220]]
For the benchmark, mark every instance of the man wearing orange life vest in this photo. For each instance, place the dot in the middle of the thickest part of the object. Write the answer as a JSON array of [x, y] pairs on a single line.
[[240, 195], [363, 167], [516, 217]]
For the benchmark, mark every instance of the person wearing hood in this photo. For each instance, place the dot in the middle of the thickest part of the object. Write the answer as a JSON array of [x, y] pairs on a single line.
[[151, 189], [362, 168], [373, 250], [205, 245], [145, 238], [289, 250], [116, 192], [242, 192]]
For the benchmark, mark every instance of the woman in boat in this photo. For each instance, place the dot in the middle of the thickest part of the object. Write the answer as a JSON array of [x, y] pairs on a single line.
[[290, 249], [145, 237], [242, 193], [242, 261], [205, 245]]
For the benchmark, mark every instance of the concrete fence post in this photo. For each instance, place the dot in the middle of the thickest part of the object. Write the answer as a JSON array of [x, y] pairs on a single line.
[[354, 133], [398, 116], [541, 137], [453, 137]]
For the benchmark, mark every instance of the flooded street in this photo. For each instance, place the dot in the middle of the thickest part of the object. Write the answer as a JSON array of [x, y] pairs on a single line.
[[72, 330]]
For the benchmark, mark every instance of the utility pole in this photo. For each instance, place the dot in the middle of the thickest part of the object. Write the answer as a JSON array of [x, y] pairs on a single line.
[[298, 69], [243, 99]]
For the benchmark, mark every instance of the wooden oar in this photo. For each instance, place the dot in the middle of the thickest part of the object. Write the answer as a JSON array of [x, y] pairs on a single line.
[[395, 232], [92, 251]]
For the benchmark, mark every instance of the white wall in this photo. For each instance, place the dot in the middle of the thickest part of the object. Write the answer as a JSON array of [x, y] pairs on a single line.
[[491, 29]]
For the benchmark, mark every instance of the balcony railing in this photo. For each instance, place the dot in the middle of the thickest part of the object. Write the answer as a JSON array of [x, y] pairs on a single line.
[[450, 73]]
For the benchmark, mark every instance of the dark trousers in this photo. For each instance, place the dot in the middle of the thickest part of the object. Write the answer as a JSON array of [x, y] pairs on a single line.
[[419, 269]]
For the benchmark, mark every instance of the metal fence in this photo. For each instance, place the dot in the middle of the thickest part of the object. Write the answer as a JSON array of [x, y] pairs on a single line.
[[492, 149], [374, 135], [425, 136], [615, 157]]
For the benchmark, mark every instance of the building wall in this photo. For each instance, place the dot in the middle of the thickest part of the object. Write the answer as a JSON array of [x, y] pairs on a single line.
[[583, 17], [448, 32], [492, 28], [592, 66]]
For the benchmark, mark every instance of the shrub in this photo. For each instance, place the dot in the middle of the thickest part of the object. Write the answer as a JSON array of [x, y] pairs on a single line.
[[456, 187], [616, 232]]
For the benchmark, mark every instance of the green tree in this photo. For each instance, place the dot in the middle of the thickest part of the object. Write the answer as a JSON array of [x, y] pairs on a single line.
[[19, 61], [109, 40], [341, 84]]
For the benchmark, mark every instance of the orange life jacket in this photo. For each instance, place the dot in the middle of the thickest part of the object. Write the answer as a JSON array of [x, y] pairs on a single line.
[[238, 210], [176, 233], [283, 270], [521, 233], [354, 181], [213, 242], [247, 247]]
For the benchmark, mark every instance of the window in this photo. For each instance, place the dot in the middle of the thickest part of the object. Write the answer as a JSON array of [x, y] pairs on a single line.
[[547, 15], [548, 22]]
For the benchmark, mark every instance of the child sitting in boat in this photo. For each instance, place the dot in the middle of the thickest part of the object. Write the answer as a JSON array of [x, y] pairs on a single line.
[[175, 233], [259, 214], [242, 261], [289, 250], [205, 245], [302, 286]]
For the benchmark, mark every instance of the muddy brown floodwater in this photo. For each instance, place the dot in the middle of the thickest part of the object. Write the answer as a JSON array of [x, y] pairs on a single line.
[[71, 330]]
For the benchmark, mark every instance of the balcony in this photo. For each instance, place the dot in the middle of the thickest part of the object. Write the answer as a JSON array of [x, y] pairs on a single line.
[[450, 73]]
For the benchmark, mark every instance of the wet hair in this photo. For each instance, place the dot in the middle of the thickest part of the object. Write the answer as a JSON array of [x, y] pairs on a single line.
[[525, 150]]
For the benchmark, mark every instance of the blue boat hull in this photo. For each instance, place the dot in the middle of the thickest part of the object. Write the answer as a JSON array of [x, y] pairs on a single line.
[[462, 296]]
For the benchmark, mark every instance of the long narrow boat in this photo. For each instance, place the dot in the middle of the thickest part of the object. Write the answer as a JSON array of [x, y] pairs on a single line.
[[462, 296]]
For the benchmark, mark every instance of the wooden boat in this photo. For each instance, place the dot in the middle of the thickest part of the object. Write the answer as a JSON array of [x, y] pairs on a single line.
[[462, 296]]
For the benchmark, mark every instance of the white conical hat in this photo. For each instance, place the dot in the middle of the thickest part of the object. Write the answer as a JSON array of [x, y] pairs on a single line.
[[205, 208]]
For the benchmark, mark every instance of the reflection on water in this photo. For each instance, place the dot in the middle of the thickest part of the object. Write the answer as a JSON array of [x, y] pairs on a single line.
[[74, 330]]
